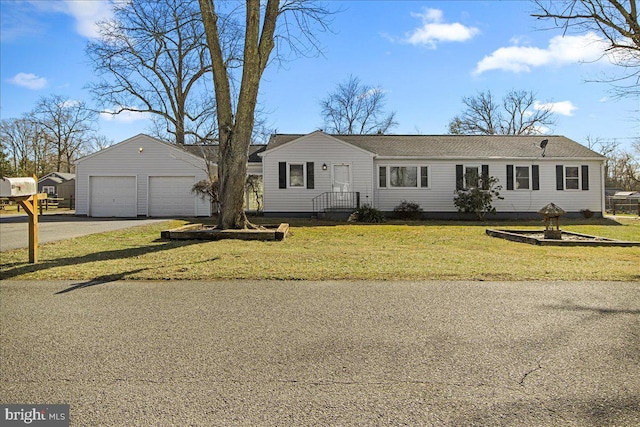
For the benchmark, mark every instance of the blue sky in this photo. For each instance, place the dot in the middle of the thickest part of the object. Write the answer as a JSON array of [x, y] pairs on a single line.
[[425, 56]]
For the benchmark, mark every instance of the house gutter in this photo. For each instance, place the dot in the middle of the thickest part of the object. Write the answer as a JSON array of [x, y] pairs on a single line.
[[538, 158], [603, 201]]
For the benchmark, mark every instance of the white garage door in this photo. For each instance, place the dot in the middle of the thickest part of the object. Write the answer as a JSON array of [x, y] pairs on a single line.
[[171, 196], [112, 196]]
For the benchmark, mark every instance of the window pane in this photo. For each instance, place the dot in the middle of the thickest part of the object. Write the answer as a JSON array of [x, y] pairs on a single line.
[[571, 172], [403, 176], [471, 176], [296, 175], [522, 177], [424, 176], [383, 176], [571, 178]]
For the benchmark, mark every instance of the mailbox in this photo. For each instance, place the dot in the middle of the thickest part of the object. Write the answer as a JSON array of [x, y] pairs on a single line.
[[16, 187]]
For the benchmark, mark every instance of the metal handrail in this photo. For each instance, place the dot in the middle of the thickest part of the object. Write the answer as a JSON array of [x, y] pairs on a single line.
[[336, 200]]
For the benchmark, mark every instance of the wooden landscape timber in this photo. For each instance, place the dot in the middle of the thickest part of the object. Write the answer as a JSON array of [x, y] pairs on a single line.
[[202, 232]]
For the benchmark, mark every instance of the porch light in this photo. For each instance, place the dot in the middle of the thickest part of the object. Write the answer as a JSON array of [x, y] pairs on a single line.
[[324, 166]]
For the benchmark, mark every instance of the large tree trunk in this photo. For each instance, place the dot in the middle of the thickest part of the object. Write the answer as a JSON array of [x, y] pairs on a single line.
[[232, 174], [235, 132]]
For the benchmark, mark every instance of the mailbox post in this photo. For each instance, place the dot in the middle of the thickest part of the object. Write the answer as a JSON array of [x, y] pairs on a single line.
[[25, 192]]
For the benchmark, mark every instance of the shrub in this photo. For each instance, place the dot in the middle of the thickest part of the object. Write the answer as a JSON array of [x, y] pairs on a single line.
[[366, 213], [408, 210], [587, 213], [479, 200]]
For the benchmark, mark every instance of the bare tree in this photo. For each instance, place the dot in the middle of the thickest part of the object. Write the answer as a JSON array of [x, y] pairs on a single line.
[[356, 108], [28, 148], [69, 125], [616, 21], [518, 114], [152, 58], [622, 167], [284, 25]]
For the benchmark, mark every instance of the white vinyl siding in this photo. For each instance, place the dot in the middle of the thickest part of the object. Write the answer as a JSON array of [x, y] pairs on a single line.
[[319, 149], [442, 187]]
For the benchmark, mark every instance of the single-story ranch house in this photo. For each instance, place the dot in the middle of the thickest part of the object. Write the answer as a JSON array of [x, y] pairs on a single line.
[[318, 172], [305, 175]]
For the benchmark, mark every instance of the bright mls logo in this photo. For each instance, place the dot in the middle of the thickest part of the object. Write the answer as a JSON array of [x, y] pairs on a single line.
[[34, 415]]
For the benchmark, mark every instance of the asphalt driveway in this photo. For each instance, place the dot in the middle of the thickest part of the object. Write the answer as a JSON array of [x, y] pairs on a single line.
[[14, 229], [325, 353]]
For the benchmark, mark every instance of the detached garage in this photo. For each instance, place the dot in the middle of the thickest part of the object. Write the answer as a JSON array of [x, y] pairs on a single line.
[[141, 176]]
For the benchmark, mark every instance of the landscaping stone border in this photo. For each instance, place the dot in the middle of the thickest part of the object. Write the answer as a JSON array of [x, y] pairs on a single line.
[[569, 238]]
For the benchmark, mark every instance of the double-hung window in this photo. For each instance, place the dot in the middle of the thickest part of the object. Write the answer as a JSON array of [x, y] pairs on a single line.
[[571, 177], [522, 177], [296, 174], [403, 176], [471, 176]]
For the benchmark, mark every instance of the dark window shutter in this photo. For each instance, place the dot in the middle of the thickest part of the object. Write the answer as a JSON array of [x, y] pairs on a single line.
[[310, 176], [383, 176], [509, 177], [459, 177], [485, 177], [535, 177], [585, 177], [424, 176], [282, 175], [559, 177]]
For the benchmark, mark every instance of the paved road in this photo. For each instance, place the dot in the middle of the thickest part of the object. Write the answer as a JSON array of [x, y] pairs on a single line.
[[14, 231], [325, 353]]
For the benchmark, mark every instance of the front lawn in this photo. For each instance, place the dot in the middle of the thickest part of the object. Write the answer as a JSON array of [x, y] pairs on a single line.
[[333, 251]]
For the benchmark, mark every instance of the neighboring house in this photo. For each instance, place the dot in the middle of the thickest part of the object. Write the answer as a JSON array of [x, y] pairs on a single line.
[[624, 201], [143, 176], [315, 173], [58, 184]]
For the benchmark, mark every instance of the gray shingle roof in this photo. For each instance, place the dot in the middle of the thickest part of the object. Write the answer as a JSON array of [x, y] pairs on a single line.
[[210, 152], [458, 146]]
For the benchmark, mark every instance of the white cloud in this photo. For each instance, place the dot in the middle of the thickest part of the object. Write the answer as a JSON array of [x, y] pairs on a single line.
[[29, 80], [70, 103], [564, 108], [87, 14], [561, 50], [125, 116], [434, 30]]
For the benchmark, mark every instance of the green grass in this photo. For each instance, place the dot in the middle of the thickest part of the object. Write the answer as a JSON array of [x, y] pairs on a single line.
[[330, 251]]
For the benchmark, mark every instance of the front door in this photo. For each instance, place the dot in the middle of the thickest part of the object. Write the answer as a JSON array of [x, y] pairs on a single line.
[[341, 179], [341, 187]]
